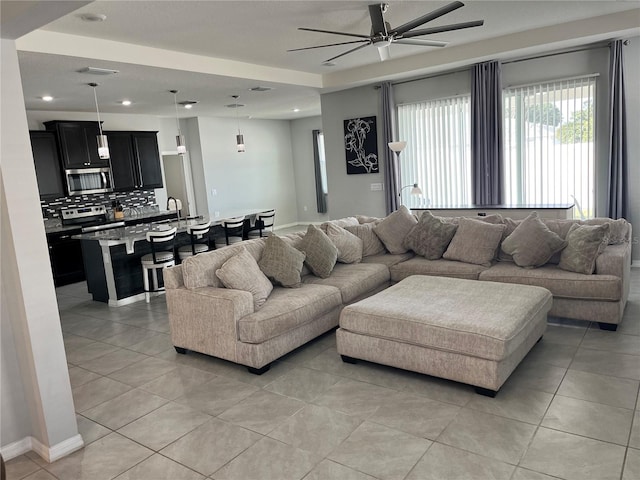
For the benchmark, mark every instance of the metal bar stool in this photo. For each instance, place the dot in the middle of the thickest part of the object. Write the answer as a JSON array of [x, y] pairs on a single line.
[[162, 255], [233, 231], [263, 225], [200, 240]]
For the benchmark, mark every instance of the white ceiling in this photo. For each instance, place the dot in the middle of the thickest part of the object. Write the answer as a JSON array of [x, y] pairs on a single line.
[[208, 34]]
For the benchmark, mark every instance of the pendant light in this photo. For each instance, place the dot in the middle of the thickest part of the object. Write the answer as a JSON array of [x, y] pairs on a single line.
[[180, 143], [103, 144], [239, 136]]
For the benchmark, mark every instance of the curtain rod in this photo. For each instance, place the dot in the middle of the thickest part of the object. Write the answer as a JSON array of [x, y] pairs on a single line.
[[532, 57]]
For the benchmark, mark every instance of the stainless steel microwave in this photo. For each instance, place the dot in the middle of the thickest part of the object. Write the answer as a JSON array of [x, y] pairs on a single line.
[[89, 180]]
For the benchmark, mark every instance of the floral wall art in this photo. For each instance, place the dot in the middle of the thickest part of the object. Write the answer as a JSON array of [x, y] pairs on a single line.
[[361, 145]]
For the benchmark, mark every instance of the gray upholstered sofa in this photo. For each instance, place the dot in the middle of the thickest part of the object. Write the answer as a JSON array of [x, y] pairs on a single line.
[[208, 318]]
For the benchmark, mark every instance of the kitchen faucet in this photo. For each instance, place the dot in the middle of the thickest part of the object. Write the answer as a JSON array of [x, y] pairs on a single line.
[[177, 204]]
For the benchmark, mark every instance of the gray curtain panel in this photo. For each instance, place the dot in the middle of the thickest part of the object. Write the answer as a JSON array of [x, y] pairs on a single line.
[[486, 134], [391, 167], [321, 197], [618, 189]]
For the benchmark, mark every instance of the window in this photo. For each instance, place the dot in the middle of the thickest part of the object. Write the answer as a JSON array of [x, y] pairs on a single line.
[[549, 144], [438, 153]]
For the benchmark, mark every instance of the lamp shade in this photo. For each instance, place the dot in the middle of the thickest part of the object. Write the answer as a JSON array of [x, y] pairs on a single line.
[[397, 146], [416, 190]]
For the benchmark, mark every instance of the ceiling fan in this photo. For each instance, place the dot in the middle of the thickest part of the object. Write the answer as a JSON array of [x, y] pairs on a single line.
[[382, 35]]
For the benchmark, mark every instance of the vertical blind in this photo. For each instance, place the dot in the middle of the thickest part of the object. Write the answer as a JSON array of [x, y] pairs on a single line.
[[549, 144], [438, 152]]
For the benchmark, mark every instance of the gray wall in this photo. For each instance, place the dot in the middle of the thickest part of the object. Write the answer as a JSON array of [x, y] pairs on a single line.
[[304, 169]]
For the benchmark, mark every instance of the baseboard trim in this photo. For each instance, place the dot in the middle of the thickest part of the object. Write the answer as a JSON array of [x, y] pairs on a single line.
[[635, 264], [49, 454], [16, 449]]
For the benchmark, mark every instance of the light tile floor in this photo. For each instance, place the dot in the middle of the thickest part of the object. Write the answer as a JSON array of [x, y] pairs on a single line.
[[570, 410]]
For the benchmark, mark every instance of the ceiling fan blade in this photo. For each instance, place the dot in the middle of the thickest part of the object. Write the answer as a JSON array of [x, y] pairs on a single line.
[[348, 51], [422, 43], [327, 45], [443, 28], [332, 32], [384, 52], [378, 25], [426, 18]]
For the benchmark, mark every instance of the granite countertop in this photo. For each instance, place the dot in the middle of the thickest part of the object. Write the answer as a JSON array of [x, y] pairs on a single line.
[[54, 225]]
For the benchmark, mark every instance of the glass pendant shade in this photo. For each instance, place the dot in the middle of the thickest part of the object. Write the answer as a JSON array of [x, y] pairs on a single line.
[[240, 142], [103, 147], [182, 146]]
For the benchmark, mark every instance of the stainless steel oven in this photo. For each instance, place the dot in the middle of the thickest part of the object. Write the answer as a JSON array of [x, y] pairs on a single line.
[[89, 180]]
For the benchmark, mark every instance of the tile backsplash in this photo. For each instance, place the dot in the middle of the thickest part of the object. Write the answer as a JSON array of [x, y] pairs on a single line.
[[135, 199]]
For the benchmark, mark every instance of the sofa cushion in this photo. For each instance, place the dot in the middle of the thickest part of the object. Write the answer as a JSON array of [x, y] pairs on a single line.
[[286, 309], [394, 228], [367, 219], [388, 259], [584, 244], [354, 280], [321, 253], [371, 244], [241, 272], [430, 237], [475, 242], [439, 268], [341, 222], [349, 246], [280, 262], [560, 283], [532, 243]]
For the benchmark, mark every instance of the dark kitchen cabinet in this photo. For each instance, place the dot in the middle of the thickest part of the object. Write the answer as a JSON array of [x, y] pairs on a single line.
[[77, 143], [47, 163], [135, 160], [65, 254]]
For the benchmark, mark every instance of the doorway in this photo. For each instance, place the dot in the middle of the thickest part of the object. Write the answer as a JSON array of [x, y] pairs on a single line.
[[178, 183]]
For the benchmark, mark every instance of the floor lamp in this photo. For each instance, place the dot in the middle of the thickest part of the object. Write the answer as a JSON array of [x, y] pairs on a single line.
[[397, 147]]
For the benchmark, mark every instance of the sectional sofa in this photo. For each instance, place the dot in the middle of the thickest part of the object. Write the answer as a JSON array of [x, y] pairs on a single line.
[[236, 325]]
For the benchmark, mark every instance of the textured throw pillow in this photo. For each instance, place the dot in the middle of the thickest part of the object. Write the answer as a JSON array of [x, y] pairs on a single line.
[[584, 244], [474, 242], [394, 228], [618, 229], [281, 263], [321, 253], [341, 222], [430, 237], [366, 219], [349, 246], [371, 244], [532, 244], [241, 272]]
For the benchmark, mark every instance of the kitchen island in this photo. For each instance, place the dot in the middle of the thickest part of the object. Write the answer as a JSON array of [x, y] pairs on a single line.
[[112, 257]]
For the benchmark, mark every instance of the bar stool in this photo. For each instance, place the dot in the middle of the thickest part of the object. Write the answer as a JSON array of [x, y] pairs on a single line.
[[264, 224], [162, 255], [233, 231], [200, 240]]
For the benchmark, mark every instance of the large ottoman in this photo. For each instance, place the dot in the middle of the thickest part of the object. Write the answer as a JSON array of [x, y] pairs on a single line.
[[464, 330]]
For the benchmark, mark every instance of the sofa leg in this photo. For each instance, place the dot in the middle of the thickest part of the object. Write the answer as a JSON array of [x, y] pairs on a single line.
[[259, 371], [181, 350], [486, 392], [346, 359], [610, 327]]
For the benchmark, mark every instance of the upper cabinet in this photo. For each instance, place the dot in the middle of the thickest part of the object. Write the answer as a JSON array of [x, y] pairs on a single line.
[[45, 157], [78, 144], [135, 160]]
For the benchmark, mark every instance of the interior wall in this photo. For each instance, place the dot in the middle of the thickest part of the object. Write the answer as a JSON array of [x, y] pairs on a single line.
[[260, 178], [304, 168]]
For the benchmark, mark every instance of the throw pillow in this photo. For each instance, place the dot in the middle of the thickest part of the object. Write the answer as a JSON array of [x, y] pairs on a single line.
[[281, 262], [430, 237], [584, 244], [618, 229], [474, 242], [349, 246], [532, 244], [241, 272], [341, 222], [394, 228], [321, 253], [371, 244], [366, 219]]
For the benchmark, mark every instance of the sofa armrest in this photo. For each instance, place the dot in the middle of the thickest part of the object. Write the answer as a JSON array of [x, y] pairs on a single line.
[[172, 277], [205, 319], [616, 260]]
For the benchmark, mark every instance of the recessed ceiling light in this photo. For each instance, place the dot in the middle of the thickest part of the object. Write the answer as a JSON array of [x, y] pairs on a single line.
[[328, 64], [260, 89], [188, 103], [188, 106], [296, 109], [93, 17], [126, 103], [47, 98]]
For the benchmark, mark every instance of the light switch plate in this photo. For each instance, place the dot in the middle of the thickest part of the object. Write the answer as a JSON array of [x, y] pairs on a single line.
[[375, 187]]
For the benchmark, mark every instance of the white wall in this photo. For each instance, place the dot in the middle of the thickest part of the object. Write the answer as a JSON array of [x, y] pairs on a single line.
[[261, 177], [304, 168], [28, 296]]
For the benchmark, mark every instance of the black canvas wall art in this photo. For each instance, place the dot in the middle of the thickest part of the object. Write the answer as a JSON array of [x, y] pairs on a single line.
[[361, 145]]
